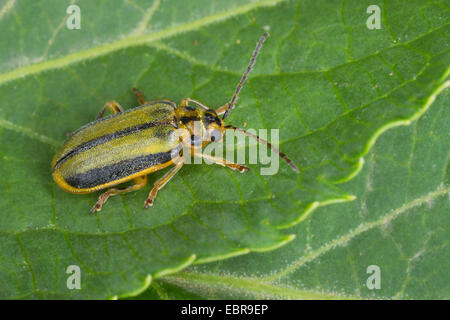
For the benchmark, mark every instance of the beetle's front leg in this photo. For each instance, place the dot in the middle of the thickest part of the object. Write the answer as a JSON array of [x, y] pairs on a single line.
[[223, 162], [162, 182], [113, 106], [221, 110], [185, 103], [140, 183]]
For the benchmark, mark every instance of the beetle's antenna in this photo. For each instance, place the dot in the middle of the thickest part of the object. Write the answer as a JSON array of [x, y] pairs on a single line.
[[244, 76], [274, 149]]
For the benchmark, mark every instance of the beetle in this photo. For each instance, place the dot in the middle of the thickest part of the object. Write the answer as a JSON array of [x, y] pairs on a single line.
[[129, 145]]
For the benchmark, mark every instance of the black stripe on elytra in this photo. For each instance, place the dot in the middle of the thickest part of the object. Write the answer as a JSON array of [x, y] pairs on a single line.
[[111, 136], [119, 170]]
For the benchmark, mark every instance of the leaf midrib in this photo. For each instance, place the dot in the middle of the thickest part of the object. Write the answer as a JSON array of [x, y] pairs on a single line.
[[251, 285]]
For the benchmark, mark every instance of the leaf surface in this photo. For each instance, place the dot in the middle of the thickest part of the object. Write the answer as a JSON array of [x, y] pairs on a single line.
[[323, 78]]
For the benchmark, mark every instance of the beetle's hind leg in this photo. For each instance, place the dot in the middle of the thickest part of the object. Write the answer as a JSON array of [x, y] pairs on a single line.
[[140, 182], [113, 106], [162, 182]]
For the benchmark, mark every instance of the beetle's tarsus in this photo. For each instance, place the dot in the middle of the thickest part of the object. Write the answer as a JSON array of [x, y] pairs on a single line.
[[97, 207], [244, 169], [139, 96], [148, 203]]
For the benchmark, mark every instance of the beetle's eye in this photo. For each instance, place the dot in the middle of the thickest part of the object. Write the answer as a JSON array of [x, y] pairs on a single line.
[[216, 135], [196, 140]]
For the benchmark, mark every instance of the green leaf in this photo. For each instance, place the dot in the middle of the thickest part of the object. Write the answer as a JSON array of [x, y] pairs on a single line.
[[329, 83], [399, 222]]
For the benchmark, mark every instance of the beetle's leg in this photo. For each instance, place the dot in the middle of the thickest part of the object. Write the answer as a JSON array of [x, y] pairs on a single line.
[[185, 103], [222, 109], [113, 106], [162, 182], [139, 95], [223, 162], [140, 183]]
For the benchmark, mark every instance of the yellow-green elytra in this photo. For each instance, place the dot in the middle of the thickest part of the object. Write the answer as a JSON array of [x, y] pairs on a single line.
[[128, 145]]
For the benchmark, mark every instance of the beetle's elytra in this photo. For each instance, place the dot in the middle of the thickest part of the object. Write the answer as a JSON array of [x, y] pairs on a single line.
[[128, 145]]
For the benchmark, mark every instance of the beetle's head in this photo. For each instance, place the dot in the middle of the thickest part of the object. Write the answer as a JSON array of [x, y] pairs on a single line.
[[204, 126], [213, 126]]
